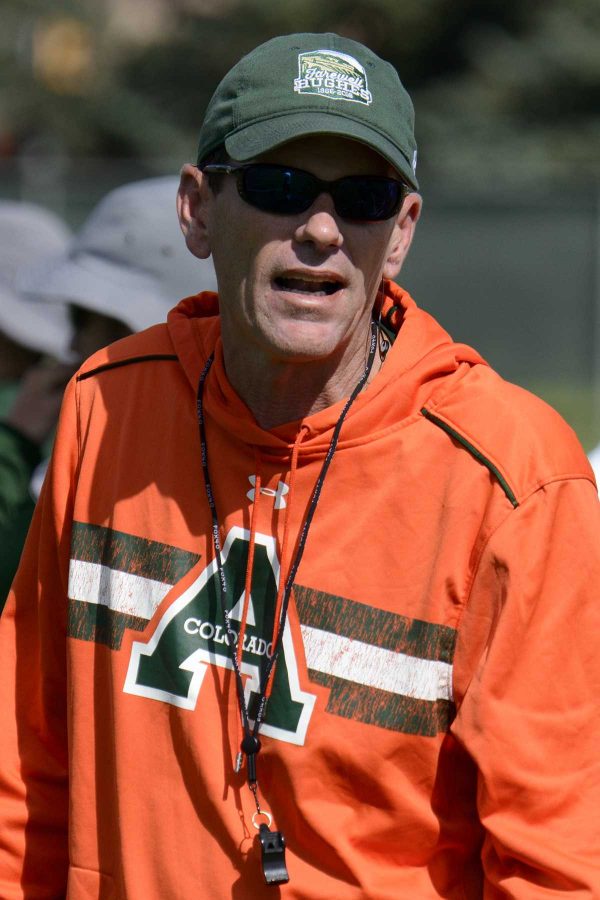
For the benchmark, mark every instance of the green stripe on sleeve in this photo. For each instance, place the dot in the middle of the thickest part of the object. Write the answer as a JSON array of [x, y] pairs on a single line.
[[474, 452]]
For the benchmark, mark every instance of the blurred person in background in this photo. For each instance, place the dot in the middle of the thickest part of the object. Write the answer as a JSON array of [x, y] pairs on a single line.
[[34, 369], [303, 568], [124, 267], [118, 275]]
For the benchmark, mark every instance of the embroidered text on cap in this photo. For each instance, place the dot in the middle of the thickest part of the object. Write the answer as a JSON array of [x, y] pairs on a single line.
[[334, 75]]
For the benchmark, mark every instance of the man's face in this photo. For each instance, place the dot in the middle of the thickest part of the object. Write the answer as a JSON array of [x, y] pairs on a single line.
[[301, 287]]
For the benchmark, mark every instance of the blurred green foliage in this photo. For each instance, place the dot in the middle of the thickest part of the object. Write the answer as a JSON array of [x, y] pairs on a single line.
[[503, 89], [507, 96]]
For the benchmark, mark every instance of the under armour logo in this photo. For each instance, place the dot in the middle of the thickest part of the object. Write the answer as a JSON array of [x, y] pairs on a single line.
[[279, 494]]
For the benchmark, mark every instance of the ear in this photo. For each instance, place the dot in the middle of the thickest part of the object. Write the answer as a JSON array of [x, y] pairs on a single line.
[[402, 235], [193, 201]]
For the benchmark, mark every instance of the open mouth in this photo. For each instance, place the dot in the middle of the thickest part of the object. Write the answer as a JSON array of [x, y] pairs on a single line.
[[309, 287]]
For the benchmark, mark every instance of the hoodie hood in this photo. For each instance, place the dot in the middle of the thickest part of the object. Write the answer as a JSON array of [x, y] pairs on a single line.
[[416, 369]]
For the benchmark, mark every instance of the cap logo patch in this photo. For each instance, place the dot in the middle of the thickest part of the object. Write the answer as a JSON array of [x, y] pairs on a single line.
[[333, 75]]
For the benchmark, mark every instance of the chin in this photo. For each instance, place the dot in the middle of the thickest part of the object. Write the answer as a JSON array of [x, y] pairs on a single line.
[[305, 343]]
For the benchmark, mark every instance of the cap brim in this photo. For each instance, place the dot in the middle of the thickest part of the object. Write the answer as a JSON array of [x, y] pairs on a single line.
[[129, 295], [40, 326], [260, 137]]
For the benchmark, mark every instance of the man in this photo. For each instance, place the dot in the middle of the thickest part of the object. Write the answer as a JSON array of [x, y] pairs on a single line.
[[310, 596]]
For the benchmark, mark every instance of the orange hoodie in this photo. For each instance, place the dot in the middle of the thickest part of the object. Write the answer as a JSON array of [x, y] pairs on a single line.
[[433, 728]]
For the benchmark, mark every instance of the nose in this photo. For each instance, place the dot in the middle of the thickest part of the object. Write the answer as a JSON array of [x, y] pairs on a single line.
[[320, 226]]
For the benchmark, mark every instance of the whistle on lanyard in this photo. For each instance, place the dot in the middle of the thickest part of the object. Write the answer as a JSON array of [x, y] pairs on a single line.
[[273, 856], [272, 843]]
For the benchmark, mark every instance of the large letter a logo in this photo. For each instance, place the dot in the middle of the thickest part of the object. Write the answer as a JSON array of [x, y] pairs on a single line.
[[191, 636]]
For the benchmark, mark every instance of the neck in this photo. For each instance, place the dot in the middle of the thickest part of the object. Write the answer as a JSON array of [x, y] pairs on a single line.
[[281, 391]]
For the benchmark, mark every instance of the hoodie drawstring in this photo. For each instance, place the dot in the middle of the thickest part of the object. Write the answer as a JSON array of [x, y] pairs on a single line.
[[250, 560], [283, 556]]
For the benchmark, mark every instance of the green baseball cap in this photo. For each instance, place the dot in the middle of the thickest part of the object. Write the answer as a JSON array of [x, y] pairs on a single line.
[[303, 84]]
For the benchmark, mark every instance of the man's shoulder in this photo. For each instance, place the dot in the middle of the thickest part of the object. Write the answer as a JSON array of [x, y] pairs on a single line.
[[512, 430], [151, 345]]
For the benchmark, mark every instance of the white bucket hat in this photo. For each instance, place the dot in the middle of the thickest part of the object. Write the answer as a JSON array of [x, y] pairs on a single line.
[[129, 261], [28, 235]]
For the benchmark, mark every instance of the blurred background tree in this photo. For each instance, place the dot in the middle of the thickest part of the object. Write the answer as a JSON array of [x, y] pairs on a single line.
[[94, 93], [504, 89]]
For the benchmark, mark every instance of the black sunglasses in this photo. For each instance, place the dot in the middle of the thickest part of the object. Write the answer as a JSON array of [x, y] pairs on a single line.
[[287, 191]]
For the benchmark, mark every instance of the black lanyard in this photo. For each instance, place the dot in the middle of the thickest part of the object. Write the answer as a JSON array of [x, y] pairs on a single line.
[[272, 843]]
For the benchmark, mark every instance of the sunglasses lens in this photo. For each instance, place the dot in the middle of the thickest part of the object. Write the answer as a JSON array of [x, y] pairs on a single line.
[[367, 198], [278, 189]]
